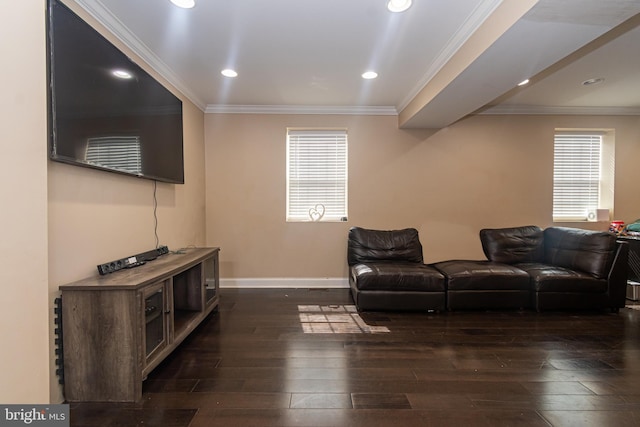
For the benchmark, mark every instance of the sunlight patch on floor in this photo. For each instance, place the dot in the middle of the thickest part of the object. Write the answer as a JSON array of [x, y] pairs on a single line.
[[335, 319]]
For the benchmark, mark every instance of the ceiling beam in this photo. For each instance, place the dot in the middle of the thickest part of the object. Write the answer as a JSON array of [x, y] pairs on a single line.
[[425, 102]]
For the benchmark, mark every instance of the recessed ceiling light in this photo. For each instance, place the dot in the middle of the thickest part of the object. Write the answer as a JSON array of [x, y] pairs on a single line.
[[593, 81], [369, 75], [398, 5], [122, 74], [185, 4], [524, 82], [228, 72]]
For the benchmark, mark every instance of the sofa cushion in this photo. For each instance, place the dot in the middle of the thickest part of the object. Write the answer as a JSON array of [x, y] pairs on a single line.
[[549, 278], [588, 251], [397, 276], [513, 245], [379, 245], [482, 275]]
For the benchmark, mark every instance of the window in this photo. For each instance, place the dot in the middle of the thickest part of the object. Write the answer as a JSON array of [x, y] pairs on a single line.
[[116, 152], [582, 180], [316, 175]]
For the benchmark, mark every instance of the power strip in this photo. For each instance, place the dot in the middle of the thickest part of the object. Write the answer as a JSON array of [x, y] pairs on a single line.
[[132, 261]]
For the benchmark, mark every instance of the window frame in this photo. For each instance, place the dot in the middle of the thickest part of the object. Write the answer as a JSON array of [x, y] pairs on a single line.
[[598, 180], [301, 174]]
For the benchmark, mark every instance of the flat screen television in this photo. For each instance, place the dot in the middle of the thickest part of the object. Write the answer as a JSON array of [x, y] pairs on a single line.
[[105, 112]]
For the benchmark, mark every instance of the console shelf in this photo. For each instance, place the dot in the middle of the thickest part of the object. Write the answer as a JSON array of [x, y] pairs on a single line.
[[119, 327]]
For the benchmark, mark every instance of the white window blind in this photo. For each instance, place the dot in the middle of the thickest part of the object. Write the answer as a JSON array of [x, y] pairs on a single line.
[[576, 175], [116, 152], [316, 175]]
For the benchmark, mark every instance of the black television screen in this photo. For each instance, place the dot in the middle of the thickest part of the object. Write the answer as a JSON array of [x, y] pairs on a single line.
[[105, 111]]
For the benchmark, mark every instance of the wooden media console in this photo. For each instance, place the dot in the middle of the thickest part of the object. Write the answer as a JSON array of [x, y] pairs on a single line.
[[117, 328]]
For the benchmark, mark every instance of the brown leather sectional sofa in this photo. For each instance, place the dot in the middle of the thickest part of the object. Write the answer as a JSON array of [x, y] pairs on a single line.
[[557, 268]]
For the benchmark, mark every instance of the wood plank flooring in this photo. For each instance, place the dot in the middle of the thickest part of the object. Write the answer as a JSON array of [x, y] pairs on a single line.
[[299, 357]]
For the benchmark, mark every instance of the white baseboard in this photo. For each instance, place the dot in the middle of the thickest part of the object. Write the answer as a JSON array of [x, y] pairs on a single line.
[[286, 282]]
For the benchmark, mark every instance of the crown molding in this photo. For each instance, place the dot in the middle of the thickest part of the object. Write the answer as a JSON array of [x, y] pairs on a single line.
[[561, 110], [300, 109], [99, 12]]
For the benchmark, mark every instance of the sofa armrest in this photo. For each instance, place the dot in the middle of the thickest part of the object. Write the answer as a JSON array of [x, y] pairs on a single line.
[[617, 277]]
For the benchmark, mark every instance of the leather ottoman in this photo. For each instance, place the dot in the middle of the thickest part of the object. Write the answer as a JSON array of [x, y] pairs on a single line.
[[484, 285]]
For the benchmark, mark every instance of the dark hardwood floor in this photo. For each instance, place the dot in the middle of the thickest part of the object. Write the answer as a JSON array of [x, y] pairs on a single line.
[[299, 357]]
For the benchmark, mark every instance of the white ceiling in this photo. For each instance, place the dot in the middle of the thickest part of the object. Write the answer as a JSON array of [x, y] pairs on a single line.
[[437, 62]]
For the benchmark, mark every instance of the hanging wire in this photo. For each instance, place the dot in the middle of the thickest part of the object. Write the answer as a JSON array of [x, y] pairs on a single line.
[[155, 213]]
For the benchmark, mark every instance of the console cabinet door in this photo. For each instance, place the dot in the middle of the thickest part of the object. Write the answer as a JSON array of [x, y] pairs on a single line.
[[155, 320], [212, 280]]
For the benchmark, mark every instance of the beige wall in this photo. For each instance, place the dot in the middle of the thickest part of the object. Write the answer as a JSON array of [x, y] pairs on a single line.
[[97, 216], [60, 221], [484, 171], [24, 305]]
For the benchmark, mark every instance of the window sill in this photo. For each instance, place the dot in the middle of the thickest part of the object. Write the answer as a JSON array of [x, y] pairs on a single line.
[[309, 221]]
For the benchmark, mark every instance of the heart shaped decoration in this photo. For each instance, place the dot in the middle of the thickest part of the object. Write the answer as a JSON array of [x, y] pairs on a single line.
[[317, 212]]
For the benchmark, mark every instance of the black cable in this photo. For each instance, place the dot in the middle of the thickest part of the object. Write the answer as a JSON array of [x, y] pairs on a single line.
[[155, 213]]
